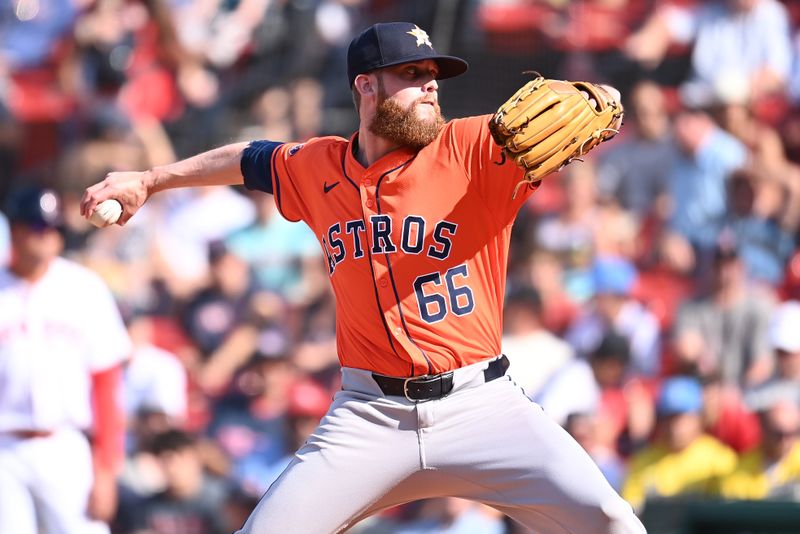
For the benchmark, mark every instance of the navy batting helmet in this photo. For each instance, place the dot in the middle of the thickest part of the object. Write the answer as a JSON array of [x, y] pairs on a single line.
[[34, 206]]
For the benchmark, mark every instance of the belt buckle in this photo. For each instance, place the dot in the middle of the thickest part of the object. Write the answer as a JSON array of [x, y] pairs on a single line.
[[412, 379]]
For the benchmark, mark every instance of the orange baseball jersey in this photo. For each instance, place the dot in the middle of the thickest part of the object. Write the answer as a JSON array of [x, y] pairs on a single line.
[[416, 244]]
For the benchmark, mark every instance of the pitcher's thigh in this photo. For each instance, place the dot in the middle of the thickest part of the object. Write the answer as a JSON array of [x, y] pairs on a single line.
[[569, 495], [351, 462], [533, 470]]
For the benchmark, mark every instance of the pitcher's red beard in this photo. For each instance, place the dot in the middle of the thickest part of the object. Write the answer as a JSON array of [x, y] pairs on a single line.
[[403, 126]]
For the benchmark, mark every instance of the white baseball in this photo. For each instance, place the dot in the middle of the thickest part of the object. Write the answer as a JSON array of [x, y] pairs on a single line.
[[613, 91], [106, 213]]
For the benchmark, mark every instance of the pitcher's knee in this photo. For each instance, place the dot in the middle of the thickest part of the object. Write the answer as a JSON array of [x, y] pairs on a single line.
[[620, 518]]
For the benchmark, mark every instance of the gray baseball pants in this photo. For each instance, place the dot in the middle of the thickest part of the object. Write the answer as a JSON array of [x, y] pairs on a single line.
[[486, 442]]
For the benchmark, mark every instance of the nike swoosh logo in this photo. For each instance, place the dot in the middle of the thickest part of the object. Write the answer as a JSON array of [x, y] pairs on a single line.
[[327, 188]]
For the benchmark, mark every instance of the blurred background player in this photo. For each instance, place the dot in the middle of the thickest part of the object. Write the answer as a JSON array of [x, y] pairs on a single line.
[[61, 345]]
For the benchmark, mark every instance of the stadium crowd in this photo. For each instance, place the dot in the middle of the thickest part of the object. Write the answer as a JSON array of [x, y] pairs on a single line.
[[653, 304]]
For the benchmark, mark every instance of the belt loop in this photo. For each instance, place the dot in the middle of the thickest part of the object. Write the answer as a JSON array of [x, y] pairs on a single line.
[[496, 368]]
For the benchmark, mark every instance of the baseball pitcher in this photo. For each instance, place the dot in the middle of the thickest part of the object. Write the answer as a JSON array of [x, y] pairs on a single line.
[[414, 216]]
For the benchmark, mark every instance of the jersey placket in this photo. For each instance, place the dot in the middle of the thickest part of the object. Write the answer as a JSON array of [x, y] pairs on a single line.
[[370, 190]]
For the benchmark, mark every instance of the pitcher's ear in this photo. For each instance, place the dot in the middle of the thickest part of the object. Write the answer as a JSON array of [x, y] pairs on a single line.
[[364, 85]]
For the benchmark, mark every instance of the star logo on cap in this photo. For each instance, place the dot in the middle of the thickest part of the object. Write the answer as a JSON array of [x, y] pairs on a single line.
[[421, 36]]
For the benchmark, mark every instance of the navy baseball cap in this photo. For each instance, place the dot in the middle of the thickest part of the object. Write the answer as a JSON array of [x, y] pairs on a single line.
[[39, 207], [392, 43]]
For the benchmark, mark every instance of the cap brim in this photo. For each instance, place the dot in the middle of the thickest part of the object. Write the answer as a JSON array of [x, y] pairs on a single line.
[[449, 66]]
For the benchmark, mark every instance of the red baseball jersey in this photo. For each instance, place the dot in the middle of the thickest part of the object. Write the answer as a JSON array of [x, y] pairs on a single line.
[[416, 244]]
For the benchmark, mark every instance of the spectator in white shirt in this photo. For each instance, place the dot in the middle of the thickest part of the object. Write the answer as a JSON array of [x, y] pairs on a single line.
[[535, 353]]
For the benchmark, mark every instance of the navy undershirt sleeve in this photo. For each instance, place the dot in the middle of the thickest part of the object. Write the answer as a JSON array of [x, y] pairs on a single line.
[[256, 165]]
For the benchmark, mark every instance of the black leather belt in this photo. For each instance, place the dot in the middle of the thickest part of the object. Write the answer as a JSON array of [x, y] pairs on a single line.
[[430, 387]]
